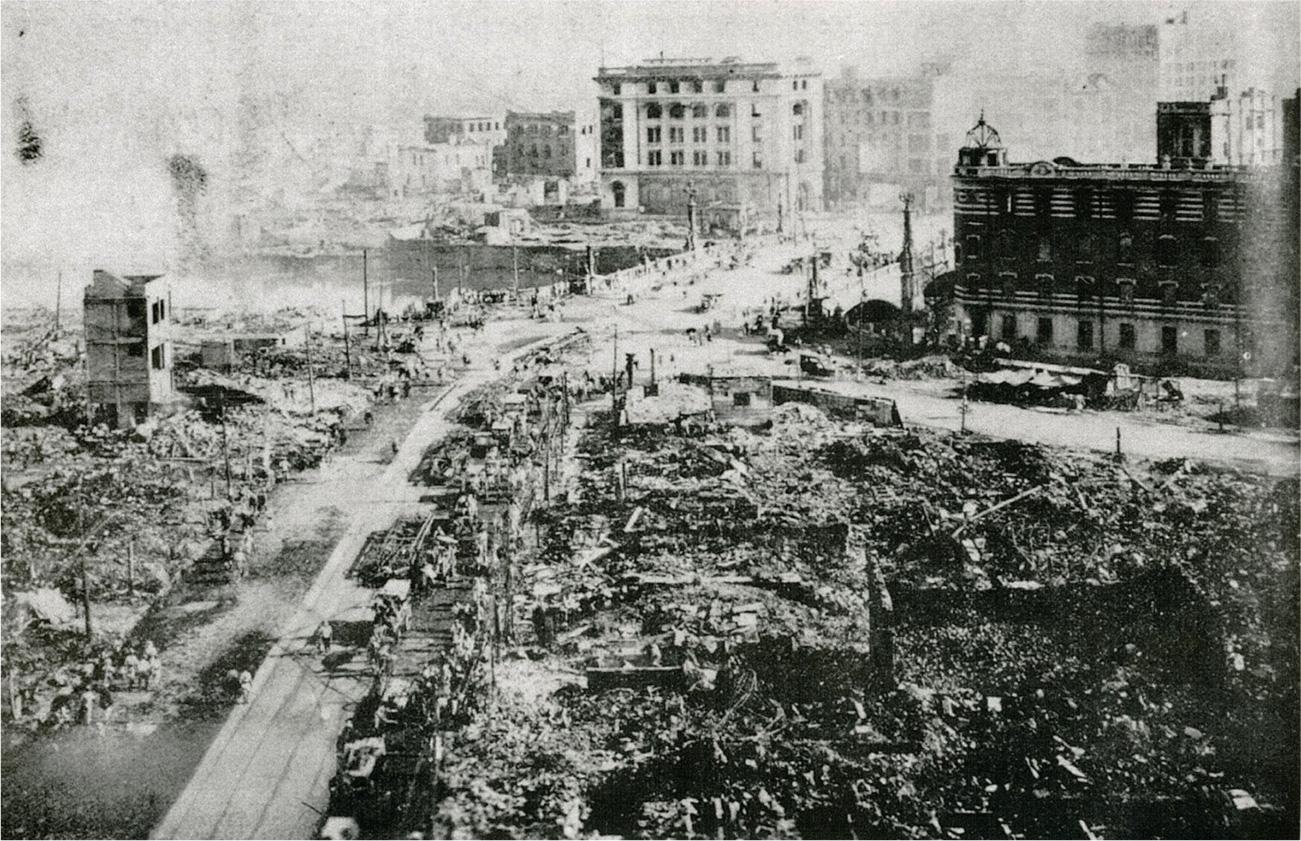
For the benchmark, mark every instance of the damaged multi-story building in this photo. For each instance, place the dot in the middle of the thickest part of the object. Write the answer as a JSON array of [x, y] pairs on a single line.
[[1186, 264], [128, 347], [746, 137]]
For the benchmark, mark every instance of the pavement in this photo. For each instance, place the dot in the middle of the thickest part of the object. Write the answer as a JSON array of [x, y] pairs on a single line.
[[266, 773]]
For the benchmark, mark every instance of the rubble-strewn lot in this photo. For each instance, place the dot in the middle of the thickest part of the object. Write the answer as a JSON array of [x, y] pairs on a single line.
[[1063, 645], [121, 515]]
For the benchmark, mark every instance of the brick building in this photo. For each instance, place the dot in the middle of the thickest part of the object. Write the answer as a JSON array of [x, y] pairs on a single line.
[[746, 136], [1182, 266]]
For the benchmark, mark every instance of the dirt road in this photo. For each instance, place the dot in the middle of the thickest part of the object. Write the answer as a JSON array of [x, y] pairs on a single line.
[[266, 773]]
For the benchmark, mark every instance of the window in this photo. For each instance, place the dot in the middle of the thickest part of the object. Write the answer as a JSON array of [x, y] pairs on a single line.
[[699, 112], [699, 134], [1169, 292], [1045, 250], [799, 156], [136, 350], [797, 109], [158, 358], [754, 86], [1123, 202], [741, 398], [973, 281], [1210, 253], [1210, 206], [1127, 336], [546, 151], [135, 309], [616, 88], [674, 87], [756, 133], [653, 134], [973, 247], [1004, 199], [719, 85], [1168, 204], [804, 84], [1169, 339], [1043, 332], [724, 158], [797, 132], [1084, 204], [1085, 248], [677, 111], [1126, 287], [650, 87], [1043, 204], [677, 157], [697, 86], [700, 158], [724, 134], [677, 134], [1125, 250], [1009, 328], [1165, 252], [1211, 342], [1043, 284], [757, 160], [1007, 282], [654, 157], [1084, 335], [653, 111], [619, 192], [795, 84], [722, 110]]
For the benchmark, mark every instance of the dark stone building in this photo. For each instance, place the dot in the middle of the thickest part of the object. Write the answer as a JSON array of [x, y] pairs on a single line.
[[538, 144], [1171, 267]]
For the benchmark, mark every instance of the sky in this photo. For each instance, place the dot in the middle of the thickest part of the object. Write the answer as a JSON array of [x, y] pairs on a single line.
[[114, 89]]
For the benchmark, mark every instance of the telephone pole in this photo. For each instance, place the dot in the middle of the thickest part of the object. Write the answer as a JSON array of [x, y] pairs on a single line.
[[347, 350], [365, 292], [614, 378], [311, 375], [225, 442]]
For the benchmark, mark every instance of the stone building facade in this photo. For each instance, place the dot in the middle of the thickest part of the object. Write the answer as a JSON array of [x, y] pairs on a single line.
[[745, 136]]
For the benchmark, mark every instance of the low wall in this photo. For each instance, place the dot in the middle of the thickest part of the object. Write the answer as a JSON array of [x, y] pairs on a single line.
[[880, 411]]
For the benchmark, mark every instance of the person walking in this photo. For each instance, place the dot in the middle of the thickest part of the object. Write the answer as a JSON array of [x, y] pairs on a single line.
[[245, 686], [324, 637]]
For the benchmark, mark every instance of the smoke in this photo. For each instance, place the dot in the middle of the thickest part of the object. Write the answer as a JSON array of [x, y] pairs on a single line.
[[190, 181]]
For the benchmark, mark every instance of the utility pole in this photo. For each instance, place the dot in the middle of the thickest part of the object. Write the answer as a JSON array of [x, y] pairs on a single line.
[[311, 375], [514, 256], [614, 378], [347, 349], [85, 577], [365, 291], [691, 217], [434, 271], [225, 442]]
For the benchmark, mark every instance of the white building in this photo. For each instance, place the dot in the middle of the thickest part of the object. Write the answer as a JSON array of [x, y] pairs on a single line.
[[746, 136]]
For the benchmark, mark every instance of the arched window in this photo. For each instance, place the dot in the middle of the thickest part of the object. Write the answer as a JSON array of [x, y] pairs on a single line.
[[653, 111], [1165, 252], [722, 110], [1125, 250], [699, 112], [797, 109], [1210, 253], [1004, 246], [677, 111], [619, 192]]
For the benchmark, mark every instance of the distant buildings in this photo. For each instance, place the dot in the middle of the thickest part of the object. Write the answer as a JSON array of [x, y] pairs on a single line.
[[880, 139], [484, 130], [438, 168], [745, 136], [1179, 266], [128, 347]]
